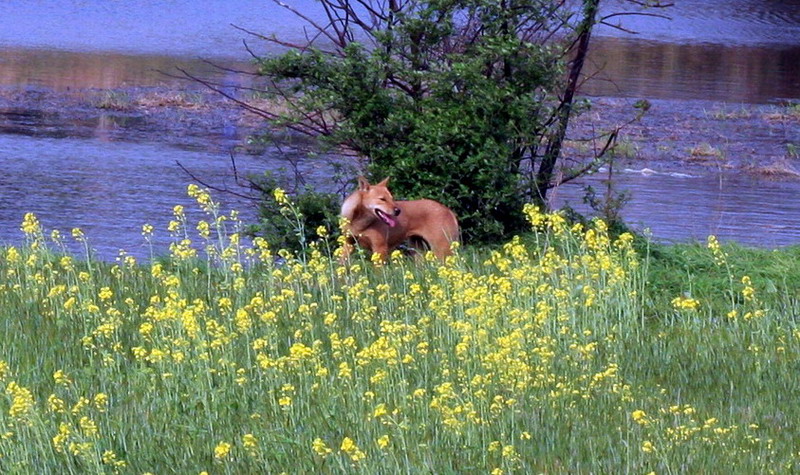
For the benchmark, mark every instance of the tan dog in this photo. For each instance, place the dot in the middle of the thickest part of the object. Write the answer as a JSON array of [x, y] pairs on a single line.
[[379, 223]]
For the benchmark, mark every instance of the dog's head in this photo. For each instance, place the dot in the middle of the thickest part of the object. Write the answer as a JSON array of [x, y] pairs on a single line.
[[379, 201]]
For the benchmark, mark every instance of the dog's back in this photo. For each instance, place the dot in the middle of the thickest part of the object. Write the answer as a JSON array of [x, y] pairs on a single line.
[[432, 221]]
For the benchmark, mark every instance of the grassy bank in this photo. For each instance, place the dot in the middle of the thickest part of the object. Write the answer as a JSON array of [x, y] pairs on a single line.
[[570, 352]]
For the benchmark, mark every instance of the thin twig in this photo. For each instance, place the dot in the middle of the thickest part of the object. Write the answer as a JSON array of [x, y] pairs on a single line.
[[212, 187]]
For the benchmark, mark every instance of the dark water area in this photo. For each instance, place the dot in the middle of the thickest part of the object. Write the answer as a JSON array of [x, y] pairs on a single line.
[[108, 180]]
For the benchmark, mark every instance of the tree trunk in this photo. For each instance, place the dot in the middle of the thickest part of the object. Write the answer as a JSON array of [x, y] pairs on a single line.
[[555, 140]]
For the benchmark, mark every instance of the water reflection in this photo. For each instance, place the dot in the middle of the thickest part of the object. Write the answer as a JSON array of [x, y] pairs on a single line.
[[621, 67], [750, 74], [63, 70]]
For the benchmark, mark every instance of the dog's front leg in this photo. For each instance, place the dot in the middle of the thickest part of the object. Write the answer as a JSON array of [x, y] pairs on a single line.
[[382, 251]]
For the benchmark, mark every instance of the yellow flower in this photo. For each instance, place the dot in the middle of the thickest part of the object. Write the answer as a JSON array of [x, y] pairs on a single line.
[[204, 229], [30, 224], [509, 452], [249, 441], [222, 450], [383, 441], [250, 444], [639, 416], [55, 404], [4, 370], [380, 410], [80, 405], [685, 303], [12, 255], [720, 256], [320, 448], [280, 196], [647, 447], [109, 457], [748, 292], [101, 402], [80, 449], [105, 293], [350, 448], [60, 440], [345, 372], [299, 351], [21, 401], [88, 426], [60, 377]]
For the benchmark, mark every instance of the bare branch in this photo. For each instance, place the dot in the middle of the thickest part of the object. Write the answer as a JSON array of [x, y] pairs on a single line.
[[594, 164], [654, 15], [272, 39], [230, 70], [299, 127], [311, 22], [215, 188]]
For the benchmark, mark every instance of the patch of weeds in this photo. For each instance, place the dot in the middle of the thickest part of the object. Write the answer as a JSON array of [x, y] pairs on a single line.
[[626, 149], [180, 99], [704, 152], [792, 150], [114, 100], [784, 113], [723, 113]]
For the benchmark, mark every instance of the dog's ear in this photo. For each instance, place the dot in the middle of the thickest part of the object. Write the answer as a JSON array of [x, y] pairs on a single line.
[[363, 184], [384, 182]]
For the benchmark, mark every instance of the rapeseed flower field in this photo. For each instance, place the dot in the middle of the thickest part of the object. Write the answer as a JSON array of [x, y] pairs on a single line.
[[544, 355]]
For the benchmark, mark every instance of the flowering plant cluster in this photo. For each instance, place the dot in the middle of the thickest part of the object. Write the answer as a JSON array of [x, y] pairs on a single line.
[[233, 357]]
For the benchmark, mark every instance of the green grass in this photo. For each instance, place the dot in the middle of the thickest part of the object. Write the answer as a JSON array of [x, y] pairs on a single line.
[[566, 352]]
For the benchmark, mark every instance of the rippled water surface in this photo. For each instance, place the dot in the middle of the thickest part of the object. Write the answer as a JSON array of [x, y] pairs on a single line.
[[727, 22], [187, 27], [107, 189], [677, 206]]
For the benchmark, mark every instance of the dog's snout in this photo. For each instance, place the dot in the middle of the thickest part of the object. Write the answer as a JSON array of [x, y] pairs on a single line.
[[397, 211]]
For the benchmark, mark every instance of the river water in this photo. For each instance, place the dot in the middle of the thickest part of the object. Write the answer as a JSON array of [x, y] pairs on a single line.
[[740, 51]]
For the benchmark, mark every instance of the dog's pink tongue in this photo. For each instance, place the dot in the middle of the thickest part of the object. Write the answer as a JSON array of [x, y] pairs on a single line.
[[388, 220]]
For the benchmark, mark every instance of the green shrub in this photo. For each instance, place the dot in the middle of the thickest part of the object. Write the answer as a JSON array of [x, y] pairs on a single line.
[[456, 101], [292, 228]]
